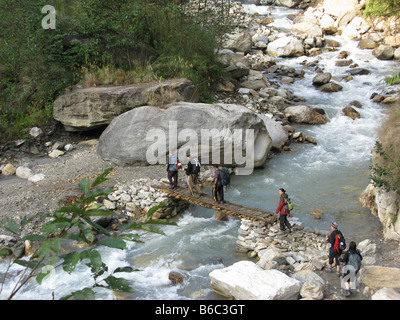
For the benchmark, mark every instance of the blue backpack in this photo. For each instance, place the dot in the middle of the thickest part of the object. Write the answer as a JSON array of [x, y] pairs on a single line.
[[224, 176]]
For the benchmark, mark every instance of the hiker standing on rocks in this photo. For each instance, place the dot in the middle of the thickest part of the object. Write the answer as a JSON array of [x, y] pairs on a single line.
[[172, 169], [283, 212], [192, 171], [352, 259], [334, 250], [218, 188]]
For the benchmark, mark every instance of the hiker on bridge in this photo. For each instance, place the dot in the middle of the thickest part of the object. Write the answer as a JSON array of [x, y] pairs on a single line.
[[172, 168], [283, 211], [192, 172], [218, 187]]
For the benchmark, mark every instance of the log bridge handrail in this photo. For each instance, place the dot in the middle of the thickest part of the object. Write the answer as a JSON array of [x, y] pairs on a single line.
[[207, 201]]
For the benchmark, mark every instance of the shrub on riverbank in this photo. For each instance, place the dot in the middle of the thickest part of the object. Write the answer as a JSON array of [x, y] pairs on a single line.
[[98, 42], [386, 167], [382, 8]]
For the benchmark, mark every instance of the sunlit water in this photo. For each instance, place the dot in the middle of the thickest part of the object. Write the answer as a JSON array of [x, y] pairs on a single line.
[[329, 176]]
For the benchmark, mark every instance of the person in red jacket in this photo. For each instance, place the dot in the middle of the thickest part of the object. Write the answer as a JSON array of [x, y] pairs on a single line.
[[283, 213]]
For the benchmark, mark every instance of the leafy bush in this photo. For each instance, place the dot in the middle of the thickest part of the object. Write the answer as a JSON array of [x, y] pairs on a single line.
[[386, 162], [382, 8], [74, 222]]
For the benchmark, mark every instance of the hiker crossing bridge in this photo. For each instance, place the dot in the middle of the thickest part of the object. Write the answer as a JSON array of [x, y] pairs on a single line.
[[207, 201]]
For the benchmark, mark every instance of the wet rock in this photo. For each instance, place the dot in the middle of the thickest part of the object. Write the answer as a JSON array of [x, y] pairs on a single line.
[[305, 114], [383, 52], [367, 44], [176, 277], [330, 87], [351, 113], [322, 78]]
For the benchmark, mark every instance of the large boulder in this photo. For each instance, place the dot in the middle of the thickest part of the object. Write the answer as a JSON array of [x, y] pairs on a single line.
[[304, 27], [87, 108], [338, 8], [380, 277], [305, 114], [288, 46], [145, 135], [278, 134], [383, 52], [244, 280], [242, 43]]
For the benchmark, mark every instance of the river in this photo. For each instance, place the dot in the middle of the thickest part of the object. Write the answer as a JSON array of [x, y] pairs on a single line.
[[328, 176]]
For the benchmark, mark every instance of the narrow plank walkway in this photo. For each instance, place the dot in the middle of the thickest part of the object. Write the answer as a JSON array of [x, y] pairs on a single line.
[[207, 201]]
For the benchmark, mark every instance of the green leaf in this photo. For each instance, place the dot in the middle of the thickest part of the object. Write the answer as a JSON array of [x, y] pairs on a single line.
[[130, 237], [151, 228], [49, 247], [99, 213], [97, 227], [34, 238], [45, 272], [26, 220], [29, 264], [4, 252], [127, 269], [70, 261], [152, 210], [92, 195], [101, 178], [10, 225], [162, 222], [84, 185], [114, 243], [85, 294], [95, 259], [87, 232], [118, 284], [72, 208]]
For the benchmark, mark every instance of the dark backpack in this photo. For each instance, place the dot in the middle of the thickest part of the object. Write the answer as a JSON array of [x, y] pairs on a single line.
[[355, 261], [224, 176]]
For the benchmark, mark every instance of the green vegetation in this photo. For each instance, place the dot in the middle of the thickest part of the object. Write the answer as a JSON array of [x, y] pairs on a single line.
[[386, 162], [100, 42], [384, 8], [74, 223]]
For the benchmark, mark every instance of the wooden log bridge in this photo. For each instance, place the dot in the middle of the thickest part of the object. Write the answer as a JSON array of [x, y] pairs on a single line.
[[207, 201]]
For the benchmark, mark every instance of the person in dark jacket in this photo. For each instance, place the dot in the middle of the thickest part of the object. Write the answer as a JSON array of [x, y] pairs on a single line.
[[192, 172], [218, 188], [352, 259], [334, 252], [283, 213]]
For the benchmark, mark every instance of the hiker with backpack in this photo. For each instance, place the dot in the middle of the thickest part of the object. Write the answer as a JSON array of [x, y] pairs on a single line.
[[218, 185], [192, 172], [172, 168], [352, 259], [338, 244], [283, 211]]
